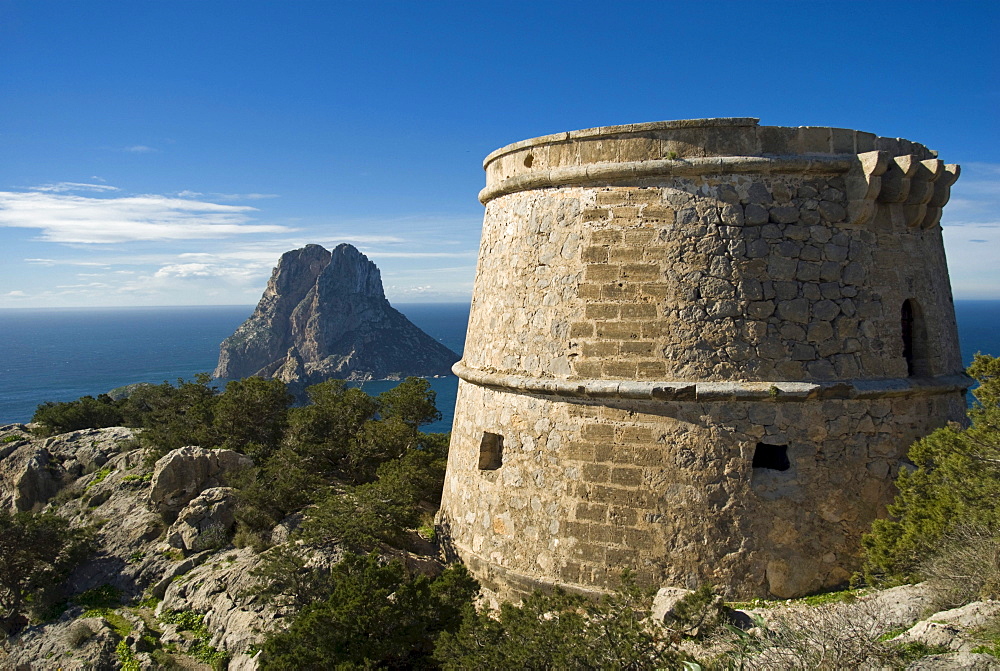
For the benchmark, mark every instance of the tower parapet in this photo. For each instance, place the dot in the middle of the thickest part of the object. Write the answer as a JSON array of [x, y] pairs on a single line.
[[698, 350]]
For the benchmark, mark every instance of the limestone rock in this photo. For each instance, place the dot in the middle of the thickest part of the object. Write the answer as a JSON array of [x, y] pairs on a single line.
[[947, 628], [181, 475], [324, 315], [70, 644], [664, 602], [205, 522], [902, 605], [972, 661], [29, 476]]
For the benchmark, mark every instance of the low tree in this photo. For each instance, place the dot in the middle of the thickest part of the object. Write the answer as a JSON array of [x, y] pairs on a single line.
[[956, 482], [364, 516], [86, 412], [37, 551], [411, 401], [251, 415], [174, 416], [375, 615], [323, 432], [558, 630]]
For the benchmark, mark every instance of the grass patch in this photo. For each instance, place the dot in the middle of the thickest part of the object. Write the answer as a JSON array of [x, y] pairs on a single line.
[[145, 478], [126, 658], [105, 596], [117, 621], [892, 633], [911, 652], [11, 439], [823, 598], [99, 477]]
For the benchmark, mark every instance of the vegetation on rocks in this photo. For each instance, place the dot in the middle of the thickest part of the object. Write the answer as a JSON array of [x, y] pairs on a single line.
[[950, 494], [37, 551], [331, 504]]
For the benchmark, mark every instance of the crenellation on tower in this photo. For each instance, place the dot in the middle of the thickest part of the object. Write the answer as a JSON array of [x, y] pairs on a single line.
[[704, 347]]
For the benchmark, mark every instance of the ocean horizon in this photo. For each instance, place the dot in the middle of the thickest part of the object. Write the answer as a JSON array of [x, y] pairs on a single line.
[[60, 354]]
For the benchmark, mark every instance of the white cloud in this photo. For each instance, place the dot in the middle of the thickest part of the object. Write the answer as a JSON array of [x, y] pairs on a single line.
[[63, 187], [972, 252], [975, 197], [139, 149], [87, 220], [243, 196], [15, 294], [423, 255]]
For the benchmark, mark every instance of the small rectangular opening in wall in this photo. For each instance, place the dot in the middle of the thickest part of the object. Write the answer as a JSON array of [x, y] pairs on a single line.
[[771, 457], [490, 451]]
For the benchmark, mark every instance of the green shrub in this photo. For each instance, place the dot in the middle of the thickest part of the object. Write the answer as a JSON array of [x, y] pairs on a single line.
[[105, 596], [563, 631], [375, 615], [36, 552], [84, 413], [126, 658]]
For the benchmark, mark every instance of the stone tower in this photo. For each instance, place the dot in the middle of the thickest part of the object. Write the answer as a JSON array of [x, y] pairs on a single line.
[[698, 350]]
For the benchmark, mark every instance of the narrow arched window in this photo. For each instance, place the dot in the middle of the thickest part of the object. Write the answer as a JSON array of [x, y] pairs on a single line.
[[906, 322], [916, 345]]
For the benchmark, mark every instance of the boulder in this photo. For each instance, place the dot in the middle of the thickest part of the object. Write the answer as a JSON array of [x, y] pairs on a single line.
[[902, 606], [183, 474], [948, 628], [29, 476], [664, 602], [205, 522], [972, 661], [69, 644]]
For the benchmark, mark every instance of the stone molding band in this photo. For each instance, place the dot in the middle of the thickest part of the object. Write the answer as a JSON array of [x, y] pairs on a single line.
[[602, 173], [778, 391]]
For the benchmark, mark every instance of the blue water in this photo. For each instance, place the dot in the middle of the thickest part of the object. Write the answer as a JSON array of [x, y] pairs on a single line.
[[62, 354]]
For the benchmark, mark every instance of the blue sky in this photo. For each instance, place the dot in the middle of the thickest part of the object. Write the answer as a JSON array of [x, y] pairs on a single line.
[[167, 153]]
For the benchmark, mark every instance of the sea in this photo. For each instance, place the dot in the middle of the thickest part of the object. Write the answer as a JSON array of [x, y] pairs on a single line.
[[60, 354]]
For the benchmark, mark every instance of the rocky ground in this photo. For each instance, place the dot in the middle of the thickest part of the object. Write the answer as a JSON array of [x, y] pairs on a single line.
[[167, 589], [163, 536]]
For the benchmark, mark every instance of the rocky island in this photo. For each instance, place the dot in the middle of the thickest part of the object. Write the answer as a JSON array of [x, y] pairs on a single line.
[[324, 315]]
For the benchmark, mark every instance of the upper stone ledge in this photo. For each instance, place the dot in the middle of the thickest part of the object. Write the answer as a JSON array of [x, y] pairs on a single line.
[[686, 139]]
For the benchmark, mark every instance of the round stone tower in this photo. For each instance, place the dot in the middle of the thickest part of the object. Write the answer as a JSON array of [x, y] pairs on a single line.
[[697, 350]]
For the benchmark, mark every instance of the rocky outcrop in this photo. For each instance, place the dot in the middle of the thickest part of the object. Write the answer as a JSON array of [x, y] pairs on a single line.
[[183, 474], [204, 523], [324, 315], [33, 470]]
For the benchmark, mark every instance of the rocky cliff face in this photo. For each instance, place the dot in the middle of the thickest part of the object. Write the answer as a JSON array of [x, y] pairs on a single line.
[[324, 315]]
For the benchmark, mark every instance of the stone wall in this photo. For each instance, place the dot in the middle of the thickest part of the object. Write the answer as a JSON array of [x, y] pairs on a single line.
[[660, 307]]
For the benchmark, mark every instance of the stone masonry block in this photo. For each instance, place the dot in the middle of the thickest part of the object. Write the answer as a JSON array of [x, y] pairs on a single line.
[[619, 369], [637, 348], [601, 349], [616, 197], [601, 272], [598, 432], [602, 311], [644, 272], [625, 213], [606, 236], [595, 214], [618, 330], [594, 512], [639, 236], [595, 473], [626, 477], [626, 254], [638, 311], [595, 254]]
